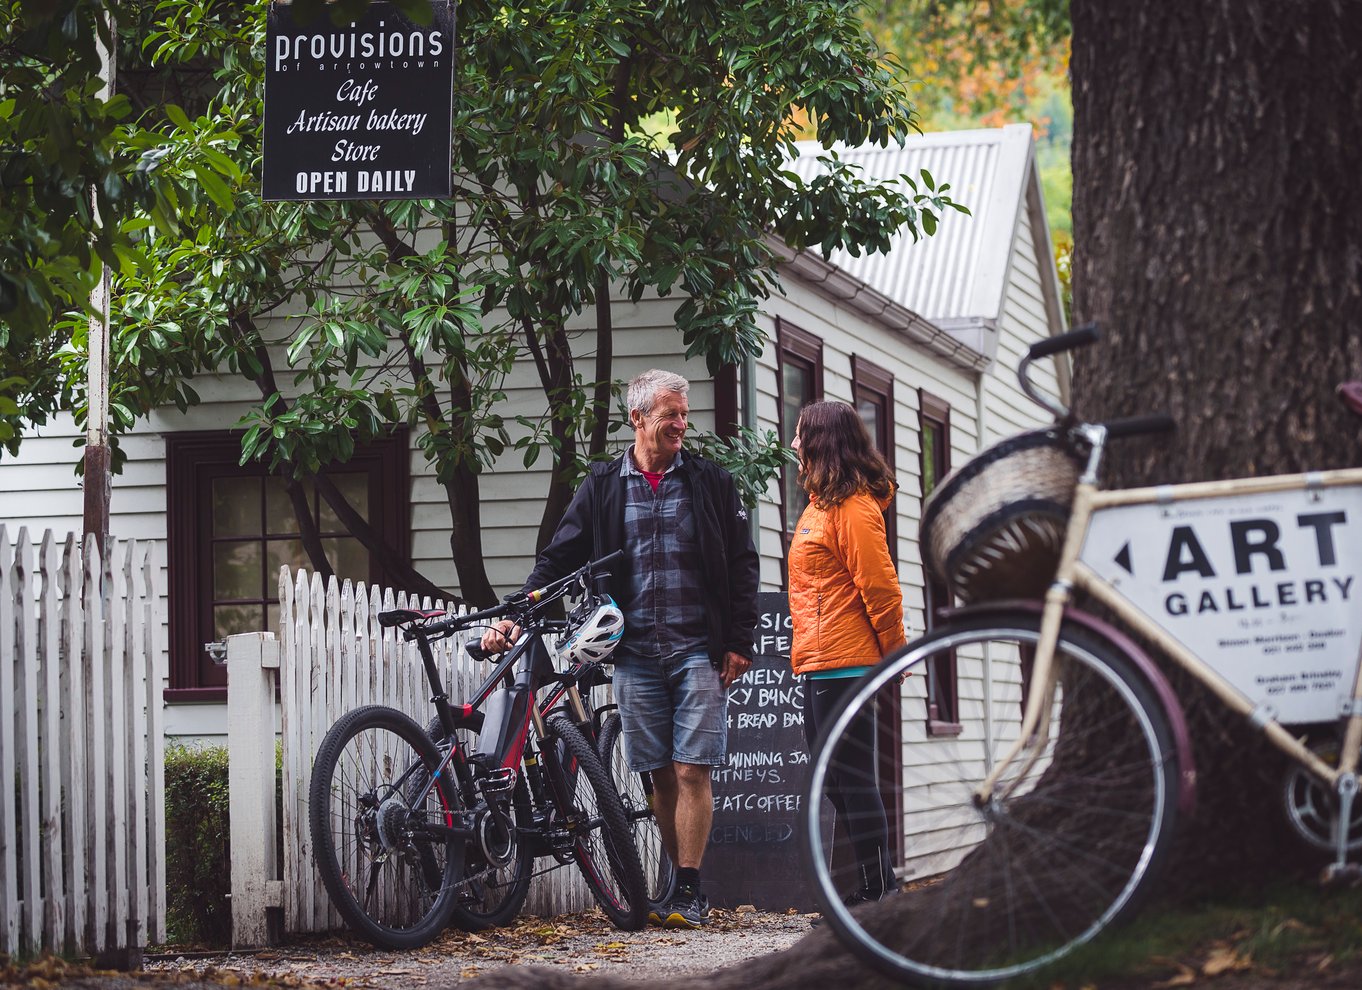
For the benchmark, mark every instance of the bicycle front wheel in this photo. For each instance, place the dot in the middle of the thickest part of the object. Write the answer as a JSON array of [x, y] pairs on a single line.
[[636, 794], [382, 831], [602, 839], [1065, 844]]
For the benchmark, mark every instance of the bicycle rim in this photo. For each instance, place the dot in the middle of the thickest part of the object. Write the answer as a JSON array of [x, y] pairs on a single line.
[[603, 841], [1069, 840], [635, 793], [389, 877]]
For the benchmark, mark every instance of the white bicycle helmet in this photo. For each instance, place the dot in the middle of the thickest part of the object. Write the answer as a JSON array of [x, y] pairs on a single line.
[[596, 626]]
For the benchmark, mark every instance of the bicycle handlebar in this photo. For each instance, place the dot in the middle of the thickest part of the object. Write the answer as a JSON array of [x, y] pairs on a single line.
[[1133, 426], [520, 605], [1080, 337]]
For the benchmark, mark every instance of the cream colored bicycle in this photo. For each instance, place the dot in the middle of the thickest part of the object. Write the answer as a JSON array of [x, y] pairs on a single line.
[[1043, 812]]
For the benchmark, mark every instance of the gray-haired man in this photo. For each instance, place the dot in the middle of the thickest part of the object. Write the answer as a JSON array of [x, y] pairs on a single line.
[[688, 589]]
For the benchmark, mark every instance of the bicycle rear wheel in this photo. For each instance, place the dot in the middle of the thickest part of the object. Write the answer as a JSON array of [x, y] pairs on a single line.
[[636, 794], [603, 840], [1071, 837], [384, 848]]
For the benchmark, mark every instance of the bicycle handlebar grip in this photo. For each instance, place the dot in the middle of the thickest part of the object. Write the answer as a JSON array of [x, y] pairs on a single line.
[[477, 652], [1081, 337], [1134, 426]]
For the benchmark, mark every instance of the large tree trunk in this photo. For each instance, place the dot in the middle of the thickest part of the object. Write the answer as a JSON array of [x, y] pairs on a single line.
[[1218, 229]]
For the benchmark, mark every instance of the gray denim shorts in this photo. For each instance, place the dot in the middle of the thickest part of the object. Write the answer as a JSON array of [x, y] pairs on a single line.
[[673, 711]]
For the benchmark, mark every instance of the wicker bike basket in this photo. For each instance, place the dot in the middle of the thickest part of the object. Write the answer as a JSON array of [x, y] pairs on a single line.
[[993, 529]]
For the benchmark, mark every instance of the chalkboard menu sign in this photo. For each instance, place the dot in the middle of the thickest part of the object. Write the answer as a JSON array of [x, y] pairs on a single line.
[[359, 110], [754, 854]]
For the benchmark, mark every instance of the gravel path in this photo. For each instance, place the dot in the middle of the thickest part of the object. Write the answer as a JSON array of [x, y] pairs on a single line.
[[578, 943]]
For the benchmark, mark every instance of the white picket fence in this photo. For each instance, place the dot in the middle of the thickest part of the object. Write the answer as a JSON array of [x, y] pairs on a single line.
[[82, 811], [331, 656]]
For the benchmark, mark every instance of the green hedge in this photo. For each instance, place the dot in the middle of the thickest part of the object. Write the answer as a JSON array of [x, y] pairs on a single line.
[[198, 845], [198, 848]]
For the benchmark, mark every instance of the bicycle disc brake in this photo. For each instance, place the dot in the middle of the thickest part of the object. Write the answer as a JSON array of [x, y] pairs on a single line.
[[1312, 807]]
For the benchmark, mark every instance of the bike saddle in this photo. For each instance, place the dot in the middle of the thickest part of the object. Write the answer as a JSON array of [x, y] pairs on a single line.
[[1351, 394], [397, 616]]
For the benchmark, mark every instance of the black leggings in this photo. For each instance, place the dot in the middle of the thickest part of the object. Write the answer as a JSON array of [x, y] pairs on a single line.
[[853, 785]]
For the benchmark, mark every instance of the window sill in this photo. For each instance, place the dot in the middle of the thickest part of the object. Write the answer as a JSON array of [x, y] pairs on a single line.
[[946, 729], [189, 696]]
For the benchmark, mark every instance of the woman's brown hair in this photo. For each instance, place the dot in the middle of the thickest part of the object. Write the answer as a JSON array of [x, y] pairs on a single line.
[[836, 457]]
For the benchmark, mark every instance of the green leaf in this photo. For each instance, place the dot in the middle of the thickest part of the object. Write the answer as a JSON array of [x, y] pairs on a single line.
[[217, 189]]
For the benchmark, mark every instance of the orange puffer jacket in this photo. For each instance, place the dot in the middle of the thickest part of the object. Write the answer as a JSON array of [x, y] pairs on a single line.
[[846, 606]]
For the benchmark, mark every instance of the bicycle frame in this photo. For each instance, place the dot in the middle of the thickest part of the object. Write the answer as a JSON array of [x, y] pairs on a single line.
[[523, 663], [1073, 574]]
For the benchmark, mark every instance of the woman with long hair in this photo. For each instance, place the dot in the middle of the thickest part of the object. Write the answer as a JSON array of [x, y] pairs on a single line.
[[846, 609]]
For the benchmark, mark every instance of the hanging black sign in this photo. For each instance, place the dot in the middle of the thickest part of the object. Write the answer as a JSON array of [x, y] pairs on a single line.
[[360, 110]]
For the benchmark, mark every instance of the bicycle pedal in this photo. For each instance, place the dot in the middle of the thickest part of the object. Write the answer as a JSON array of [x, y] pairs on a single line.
[[498, 781], [1341, 875]]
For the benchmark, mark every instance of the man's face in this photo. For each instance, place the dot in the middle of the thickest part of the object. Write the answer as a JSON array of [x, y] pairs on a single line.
[[659, 432]]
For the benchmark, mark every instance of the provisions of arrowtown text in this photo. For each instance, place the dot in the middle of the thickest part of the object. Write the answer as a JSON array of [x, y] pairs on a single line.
[[359, 110]]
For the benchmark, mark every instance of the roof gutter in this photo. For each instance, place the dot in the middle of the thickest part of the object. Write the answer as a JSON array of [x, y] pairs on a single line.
[[837, 285]]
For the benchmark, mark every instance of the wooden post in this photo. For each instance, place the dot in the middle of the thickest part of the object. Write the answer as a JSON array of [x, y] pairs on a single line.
[[97, 458], [252, 662]]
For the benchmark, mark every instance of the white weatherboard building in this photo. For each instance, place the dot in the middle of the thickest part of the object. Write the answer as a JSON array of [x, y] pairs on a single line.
[[924, 341]]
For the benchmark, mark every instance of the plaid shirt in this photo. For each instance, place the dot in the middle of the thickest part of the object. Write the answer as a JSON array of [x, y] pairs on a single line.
[[664, 616]]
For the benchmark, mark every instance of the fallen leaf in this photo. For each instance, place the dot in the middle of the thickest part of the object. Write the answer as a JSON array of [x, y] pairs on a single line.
[[1184, 977], [1224, 959], [745, 909]]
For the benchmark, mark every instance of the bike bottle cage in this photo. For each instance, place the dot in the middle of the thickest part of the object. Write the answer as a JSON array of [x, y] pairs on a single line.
[[397, 616], [1351, 394]]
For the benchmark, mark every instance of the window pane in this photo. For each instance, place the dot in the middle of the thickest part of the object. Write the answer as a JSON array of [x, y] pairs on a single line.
[[280, 519], [355, 488], [279, 553], [869, 410], [931, 454], [272, 617], [231, 619], [236, 570], [348, 558], [797, 392], [236, 506]]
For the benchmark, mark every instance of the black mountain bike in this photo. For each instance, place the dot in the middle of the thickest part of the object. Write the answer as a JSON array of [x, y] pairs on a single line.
[[412, 828]]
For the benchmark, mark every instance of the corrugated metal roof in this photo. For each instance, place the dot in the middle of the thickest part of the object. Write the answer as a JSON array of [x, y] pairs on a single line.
[[960, 271]]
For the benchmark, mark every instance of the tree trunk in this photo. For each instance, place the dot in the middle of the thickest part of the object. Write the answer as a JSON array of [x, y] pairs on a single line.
[[1218, 230]]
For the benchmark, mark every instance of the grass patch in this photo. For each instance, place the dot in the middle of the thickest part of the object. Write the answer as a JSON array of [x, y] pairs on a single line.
[[1292, 927]]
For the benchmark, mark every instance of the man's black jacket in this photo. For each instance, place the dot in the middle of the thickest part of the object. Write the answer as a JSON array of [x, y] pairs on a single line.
[[593, 526]]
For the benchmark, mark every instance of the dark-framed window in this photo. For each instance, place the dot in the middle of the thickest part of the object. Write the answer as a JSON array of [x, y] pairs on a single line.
[[229, 528], [943, 703], [799, 381], [872, 391]]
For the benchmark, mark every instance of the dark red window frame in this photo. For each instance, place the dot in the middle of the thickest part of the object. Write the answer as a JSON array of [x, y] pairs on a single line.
[[801, 349], [193, 460], [943, 707]]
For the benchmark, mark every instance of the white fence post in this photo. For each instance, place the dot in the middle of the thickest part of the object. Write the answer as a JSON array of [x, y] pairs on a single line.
[[252, 665]]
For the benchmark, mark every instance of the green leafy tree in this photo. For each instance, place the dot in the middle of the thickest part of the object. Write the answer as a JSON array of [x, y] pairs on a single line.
[[414, 312], [75, 170]]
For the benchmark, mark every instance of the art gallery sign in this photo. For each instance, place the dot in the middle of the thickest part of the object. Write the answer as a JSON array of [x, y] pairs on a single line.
[[360, 110]]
